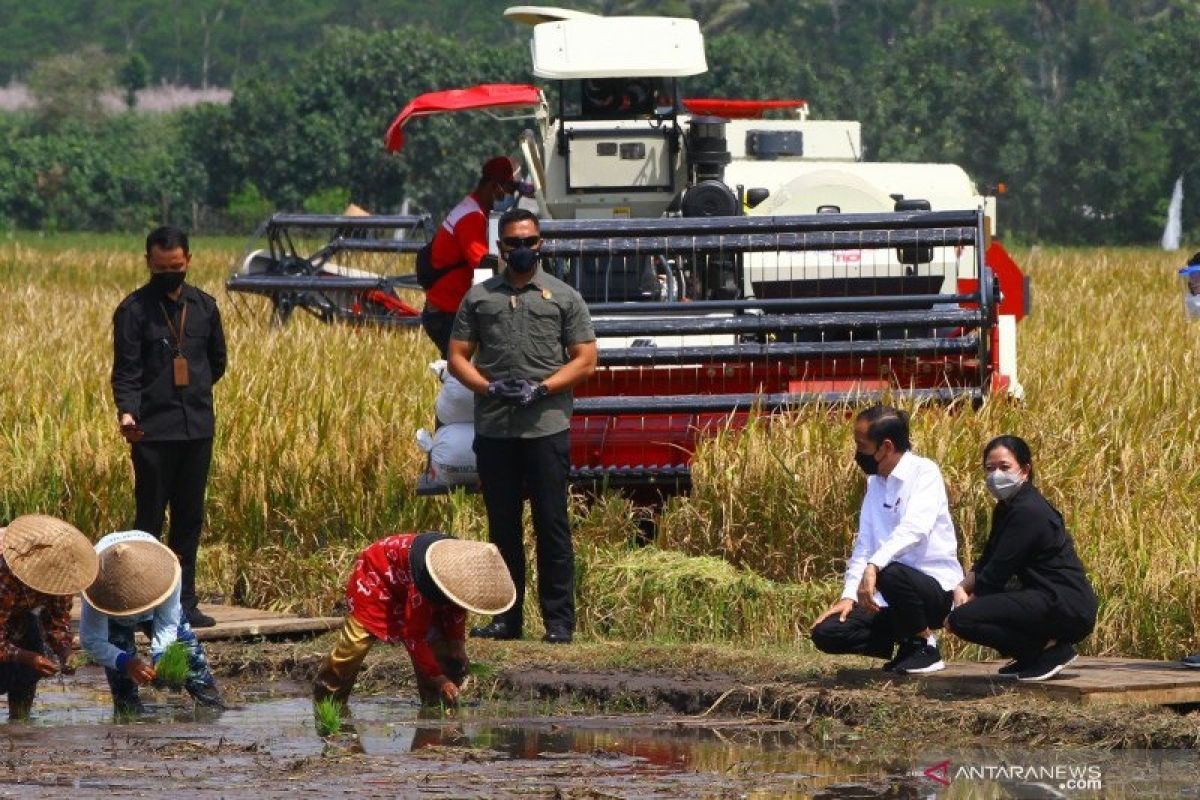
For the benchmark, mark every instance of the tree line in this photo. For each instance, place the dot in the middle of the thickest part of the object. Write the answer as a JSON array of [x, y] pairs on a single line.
[[1084, 110]]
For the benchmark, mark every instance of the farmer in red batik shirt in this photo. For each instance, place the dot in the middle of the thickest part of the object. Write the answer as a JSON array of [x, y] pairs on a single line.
[[43, 563], [415, 589]]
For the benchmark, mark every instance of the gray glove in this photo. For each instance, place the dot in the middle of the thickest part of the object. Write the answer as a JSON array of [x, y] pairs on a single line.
[[517, 391], [529, 393], [503, 389]]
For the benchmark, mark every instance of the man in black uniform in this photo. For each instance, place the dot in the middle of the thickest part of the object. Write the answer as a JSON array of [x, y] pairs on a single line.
[[168, 351]]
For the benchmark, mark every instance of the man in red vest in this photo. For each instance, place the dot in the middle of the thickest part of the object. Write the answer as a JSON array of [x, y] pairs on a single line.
[[461, 243]]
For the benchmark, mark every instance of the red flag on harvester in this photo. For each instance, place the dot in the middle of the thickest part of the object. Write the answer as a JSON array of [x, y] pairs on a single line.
[[485, 95]]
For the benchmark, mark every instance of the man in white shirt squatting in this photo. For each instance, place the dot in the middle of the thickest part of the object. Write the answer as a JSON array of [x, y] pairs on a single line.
[[905, 560]]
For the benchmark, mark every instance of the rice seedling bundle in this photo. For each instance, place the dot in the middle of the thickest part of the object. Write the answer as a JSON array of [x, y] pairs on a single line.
[[172, 667]]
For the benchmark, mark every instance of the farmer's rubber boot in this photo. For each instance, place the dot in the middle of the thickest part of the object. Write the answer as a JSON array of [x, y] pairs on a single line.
[[20, 703], [205, 694], [128, 707]]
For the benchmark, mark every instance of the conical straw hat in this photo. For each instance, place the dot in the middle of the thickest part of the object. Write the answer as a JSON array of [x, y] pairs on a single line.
[[472, 575], [137, 573], [48, 555]]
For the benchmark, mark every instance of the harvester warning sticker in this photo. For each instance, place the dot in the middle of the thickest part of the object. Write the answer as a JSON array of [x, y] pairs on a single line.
[[622, 212]]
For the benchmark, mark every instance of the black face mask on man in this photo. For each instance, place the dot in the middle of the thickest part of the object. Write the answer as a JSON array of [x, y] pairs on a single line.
[[866, 462], [167, 282], [521, 259]]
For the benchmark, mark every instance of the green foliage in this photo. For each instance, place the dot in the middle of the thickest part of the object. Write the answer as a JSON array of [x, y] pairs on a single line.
[[327, 201], [120, 173], [69, 87], [172, 667], [133, 75], [322, 125], [247, 207], [1086, 111]]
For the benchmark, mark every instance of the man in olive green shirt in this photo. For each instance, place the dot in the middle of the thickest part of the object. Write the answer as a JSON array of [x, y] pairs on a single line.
[[532, 341]]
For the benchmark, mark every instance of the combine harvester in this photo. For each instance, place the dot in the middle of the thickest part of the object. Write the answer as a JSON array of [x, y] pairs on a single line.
[[731, 262]]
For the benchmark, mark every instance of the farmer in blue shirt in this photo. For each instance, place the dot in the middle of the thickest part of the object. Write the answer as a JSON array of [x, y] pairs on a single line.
[[138, 586]]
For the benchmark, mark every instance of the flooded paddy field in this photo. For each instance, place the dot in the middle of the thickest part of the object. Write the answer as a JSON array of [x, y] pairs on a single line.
[[266, 745]]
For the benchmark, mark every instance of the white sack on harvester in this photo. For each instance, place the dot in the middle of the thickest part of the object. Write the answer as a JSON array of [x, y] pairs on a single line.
[[455, 403], [451, 456]]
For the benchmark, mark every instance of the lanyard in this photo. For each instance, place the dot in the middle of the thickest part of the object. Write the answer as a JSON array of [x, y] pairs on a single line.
[[178, 334]]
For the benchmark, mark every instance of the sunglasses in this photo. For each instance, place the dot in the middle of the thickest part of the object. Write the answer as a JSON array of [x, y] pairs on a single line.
[[513, 242]]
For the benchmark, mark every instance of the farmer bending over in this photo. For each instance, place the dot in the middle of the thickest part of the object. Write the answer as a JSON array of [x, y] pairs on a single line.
[[43, 562], [138, 587], [415, 589], [905, 559]]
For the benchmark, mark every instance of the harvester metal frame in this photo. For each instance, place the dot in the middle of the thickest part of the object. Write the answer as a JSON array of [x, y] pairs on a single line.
[[295, 277], [774, 362]]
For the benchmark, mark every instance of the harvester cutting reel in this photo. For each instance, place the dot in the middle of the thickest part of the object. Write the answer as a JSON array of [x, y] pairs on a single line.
[[702, 322], [353, 269]]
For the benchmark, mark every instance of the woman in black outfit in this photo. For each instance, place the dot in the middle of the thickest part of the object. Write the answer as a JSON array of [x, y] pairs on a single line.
[[1052, 607]]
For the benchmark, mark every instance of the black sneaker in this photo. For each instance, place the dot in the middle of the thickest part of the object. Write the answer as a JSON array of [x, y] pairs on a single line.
[[558, 636], [496, 630], [926, 659], [1048, 663], [906, 649], [198, 619], [1192, 661], [1012, 668]]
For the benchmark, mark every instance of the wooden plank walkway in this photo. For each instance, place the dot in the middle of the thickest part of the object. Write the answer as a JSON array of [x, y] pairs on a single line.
[[235, 622], [1089, 681]]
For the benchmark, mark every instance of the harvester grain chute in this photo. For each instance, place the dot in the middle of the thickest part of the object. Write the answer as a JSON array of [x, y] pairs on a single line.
[[354, 269]]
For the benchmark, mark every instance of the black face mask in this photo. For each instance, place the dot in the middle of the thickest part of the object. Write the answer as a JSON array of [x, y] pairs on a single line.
[[866, 462], [166, 282], [521, 259]]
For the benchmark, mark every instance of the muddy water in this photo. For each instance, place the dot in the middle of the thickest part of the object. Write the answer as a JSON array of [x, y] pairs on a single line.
[[267, 747]]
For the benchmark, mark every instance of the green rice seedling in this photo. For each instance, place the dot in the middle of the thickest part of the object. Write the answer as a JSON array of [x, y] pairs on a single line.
[[172, 667], [482, 671], [327, 714]]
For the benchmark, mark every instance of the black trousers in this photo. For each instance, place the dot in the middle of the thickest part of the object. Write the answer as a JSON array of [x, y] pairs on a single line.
[[915, 602], [173, 474], [508, 469], [1018, 624], [437, 325], [17, 681]]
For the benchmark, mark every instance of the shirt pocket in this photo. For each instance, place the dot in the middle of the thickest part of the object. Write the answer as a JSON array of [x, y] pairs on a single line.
[[157, 345], [492, 327], [545, 331], [198, 327]]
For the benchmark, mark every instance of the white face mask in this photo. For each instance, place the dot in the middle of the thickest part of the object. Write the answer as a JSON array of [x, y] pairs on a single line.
[[1003, 485]]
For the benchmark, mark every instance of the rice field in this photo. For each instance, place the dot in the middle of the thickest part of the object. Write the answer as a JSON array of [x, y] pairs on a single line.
[[315, 455]]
